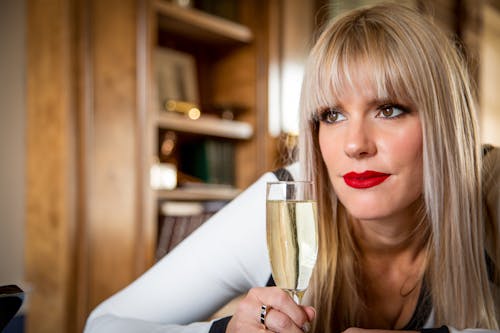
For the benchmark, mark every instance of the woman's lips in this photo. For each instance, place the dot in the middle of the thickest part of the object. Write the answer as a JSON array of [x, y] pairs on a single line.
[[366, 179]]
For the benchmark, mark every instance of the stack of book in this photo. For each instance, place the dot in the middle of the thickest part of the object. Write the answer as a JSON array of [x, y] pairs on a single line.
[[178, 219], [210, 160]]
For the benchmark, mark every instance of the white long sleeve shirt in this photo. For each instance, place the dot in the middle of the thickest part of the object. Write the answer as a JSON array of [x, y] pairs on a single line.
[[223, 258]]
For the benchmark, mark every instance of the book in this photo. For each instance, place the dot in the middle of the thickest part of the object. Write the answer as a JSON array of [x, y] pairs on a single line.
[[210, 160], [166, 228], [179, 219]]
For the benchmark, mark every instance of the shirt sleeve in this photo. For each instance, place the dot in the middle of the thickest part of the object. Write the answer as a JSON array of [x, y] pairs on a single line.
[[222, 259]]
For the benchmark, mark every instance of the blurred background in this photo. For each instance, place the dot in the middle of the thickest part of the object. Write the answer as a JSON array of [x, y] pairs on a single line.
[[125, 124]]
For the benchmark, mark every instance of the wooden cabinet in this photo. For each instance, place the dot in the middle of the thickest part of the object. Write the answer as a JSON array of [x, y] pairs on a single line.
[[231, 72], [93, 126]]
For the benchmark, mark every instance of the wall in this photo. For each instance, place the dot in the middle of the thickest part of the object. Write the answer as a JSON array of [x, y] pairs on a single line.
[[490, 76], [12, 141]]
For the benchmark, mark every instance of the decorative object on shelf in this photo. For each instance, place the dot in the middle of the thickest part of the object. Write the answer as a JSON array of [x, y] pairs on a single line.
[[176, 76], [168, 145], [163, 176], [189, 109]]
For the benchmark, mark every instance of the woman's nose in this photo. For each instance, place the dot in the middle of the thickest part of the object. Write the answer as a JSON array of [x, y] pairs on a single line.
[[359, 142]]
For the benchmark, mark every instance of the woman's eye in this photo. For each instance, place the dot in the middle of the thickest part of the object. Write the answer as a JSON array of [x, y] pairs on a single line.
[[391, 111], [330, 116]]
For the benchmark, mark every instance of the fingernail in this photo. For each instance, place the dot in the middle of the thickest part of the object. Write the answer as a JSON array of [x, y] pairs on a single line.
[[306, 327]]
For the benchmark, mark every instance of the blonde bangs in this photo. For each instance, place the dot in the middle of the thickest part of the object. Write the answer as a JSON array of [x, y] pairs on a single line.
[[366, 58]]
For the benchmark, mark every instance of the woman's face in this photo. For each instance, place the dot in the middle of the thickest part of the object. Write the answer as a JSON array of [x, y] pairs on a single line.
[[373, 152]]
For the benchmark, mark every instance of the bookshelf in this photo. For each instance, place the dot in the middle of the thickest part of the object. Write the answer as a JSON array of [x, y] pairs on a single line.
[[231, 67]]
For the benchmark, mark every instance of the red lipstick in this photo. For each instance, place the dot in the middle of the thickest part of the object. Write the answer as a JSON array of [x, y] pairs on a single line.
[[365, 179]]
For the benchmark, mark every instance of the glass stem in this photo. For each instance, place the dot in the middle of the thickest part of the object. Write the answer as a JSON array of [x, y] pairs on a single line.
[[296, 296]]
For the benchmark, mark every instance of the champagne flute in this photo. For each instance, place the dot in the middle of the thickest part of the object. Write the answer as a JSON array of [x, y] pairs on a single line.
[[292, 234]]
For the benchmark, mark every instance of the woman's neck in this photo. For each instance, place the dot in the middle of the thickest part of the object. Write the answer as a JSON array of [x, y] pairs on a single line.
[[402, 234], [393, 259]]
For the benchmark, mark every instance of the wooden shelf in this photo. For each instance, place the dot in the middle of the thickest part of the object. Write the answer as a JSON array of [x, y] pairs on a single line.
[[198, 194], [205, 125], [200, 26]]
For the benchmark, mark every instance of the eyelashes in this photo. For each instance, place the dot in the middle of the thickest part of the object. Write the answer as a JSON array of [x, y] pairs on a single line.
[[392, 111], [333, 115], [329, 116]]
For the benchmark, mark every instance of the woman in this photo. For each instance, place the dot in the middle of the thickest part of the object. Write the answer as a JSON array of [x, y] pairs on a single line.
[[411, 117], [389, 135]]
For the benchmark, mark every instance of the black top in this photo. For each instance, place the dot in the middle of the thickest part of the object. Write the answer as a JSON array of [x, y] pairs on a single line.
[[416, 323]]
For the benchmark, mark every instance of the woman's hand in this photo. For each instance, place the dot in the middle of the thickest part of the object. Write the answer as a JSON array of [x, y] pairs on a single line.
[[282, 313]]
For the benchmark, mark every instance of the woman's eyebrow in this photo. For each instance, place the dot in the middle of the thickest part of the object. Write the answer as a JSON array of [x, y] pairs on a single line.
[[374, 102], [388, 101], [328, 106]]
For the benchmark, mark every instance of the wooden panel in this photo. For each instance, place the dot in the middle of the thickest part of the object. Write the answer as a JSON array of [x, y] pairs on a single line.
[[234, 77], [113, 188], [84, 101], [50, 160], [146, 134]]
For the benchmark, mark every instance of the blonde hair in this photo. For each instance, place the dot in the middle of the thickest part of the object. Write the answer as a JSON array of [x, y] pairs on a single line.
[[408, 58]]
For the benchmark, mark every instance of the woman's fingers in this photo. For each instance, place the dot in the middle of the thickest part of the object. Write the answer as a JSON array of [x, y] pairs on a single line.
[[277, 321], [271, 309], [279, 300], [311, 312]]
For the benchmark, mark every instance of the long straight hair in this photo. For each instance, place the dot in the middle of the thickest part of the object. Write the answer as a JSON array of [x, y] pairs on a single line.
[[404, 56]]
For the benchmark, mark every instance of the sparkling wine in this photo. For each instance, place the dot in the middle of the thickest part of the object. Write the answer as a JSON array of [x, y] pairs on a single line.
[[292, 241]]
